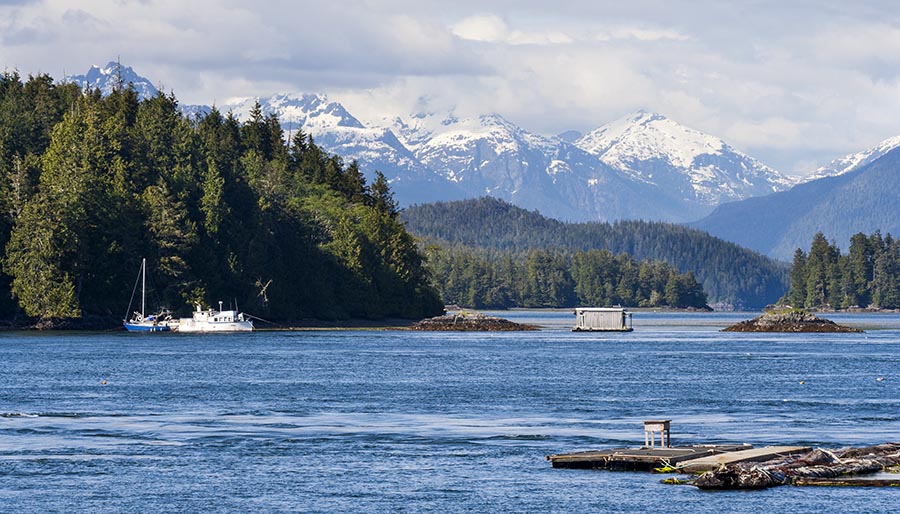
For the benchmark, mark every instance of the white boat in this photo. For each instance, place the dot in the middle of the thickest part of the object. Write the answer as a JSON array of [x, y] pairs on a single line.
[[211, 320], [139, 322]]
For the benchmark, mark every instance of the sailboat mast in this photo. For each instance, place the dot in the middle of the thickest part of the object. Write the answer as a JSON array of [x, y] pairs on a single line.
[[143, 284]]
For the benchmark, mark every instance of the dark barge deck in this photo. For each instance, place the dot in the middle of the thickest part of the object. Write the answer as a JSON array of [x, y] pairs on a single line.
[[640, 459]]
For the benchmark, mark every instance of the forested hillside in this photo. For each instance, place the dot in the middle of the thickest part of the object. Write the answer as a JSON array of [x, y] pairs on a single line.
[[221, 210], [482, 278], [867, 276], [727, 272]]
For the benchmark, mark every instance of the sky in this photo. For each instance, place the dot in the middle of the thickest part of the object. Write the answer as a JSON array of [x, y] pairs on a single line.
[[792, 83]]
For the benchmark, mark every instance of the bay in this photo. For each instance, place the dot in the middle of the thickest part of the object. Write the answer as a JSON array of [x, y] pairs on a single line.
[[388, 421]]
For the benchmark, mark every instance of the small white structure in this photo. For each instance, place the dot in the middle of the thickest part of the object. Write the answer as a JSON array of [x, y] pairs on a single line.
[[592, 319], [661, 427]]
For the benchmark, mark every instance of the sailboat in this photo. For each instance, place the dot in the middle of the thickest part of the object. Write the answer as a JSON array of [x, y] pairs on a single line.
[[139, 322]]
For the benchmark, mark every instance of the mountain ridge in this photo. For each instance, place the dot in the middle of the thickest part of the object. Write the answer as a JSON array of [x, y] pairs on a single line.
[[654, 169], [863, 199]]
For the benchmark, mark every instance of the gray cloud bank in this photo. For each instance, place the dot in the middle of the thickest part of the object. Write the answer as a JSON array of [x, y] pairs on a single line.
[[794, 84]]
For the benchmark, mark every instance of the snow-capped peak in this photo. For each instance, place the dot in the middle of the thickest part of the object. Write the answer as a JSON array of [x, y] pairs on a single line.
[[313, 112], [648, 135], [108, 77], [853, 161], [657, 150]]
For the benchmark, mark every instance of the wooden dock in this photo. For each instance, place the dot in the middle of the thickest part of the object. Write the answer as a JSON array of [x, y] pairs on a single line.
[[740, 466], [640, 459], [711, 462]]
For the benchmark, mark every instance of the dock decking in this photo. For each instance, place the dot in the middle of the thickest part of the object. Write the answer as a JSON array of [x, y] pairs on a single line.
[[711, 462], [639, 459]]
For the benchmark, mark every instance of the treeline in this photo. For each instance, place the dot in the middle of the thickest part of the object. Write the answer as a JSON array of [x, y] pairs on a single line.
[[478, 278], [867, 276], [728, 273], [222, 210]]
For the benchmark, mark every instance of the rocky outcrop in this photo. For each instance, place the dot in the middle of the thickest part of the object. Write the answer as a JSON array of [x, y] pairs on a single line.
[[469, 322], [789, 320]]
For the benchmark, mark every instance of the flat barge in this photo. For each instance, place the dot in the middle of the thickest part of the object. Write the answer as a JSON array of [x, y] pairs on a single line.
[[641, 459]]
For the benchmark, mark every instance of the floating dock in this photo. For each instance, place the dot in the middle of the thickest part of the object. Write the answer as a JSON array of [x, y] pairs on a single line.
[[711, 462], [640, 459], [740, 466]]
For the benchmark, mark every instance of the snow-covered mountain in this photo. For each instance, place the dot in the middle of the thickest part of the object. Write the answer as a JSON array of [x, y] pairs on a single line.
[[337, 131], [108, 77], [488, 155], [701, 169], [854, 161], [642, 166]]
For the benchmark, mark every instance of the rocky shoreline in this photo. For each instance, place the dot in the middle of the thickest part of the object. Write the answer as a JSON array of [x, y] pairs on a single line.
[[789, 320], [465, 321]]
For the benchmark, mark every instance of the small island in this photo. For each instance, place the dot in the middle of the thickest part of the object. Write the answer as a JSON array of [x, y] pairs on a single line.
[[788, 319], [467, 321]]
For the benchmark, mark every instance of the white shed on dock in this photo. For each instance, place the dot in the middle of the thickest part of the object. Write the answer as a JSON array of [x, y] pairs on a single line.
[[592, 319]]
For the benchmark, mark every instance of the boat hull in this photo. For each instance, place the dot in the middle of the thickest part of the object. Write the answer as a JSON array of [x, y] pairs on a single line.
[[188, 325], [145, 327]]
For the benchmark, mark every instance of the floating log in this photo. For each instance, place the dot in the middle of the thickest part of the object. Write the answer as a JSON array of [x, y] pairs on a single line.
[[817, 467], [848, 482]]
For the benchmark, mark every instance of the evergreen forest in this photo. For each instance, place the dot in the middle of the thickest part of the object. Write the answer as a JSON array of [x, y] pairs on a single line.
[[729, 274], [478, 278], [221, 210], [867, 276]]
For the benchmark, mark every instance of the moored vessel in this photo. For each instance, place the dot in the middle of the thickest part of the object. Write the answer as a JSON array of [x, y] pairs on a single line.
[[211, 320], [139, 322]]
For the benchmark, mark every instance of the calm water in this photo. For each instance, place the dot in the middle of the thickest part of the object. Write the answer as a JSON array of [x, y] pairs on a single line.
[[385, 421]]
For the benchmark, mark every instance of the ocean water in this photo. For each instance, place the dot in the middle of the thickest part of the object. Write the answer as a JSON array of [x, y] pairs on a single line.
[[396, 421]]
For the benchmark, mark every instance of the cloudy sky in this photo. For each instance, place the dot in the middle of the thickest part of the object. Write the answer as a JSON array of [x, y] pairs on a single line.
[[793, 83]]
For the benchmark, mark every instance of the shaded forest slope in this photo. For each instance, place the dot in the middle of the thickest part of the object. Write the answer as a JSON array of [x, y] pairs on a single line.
[[728, 273]]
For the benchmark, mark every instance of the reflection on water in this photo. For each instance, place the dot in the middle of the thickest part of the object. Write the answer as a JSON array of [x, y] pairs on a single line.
[[395, 420]]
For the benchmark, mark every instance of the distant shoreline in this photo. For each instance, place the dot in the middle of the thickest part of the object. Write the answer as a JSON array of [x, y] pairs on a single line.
[[96, 324], [109, 325]]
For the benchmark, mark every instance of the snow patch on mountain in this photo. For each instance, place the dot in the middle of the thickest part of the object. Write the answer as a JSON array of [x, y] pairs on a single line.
[[856, 160]]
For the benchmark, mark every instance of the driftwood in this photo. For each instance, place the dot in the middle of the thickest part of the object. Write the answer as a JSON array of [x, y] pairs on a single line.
[[466, 321], [817, 467]]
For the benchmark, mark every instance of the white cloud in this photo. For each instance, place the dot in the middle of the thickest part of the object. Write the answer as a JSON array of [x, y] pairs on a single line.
[[787, 82], [488, 28], [639, 34]]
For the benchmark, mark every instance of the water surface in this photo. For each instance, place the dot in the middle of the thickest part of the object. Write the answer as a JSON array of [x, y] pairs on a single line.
[[387, 421]]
